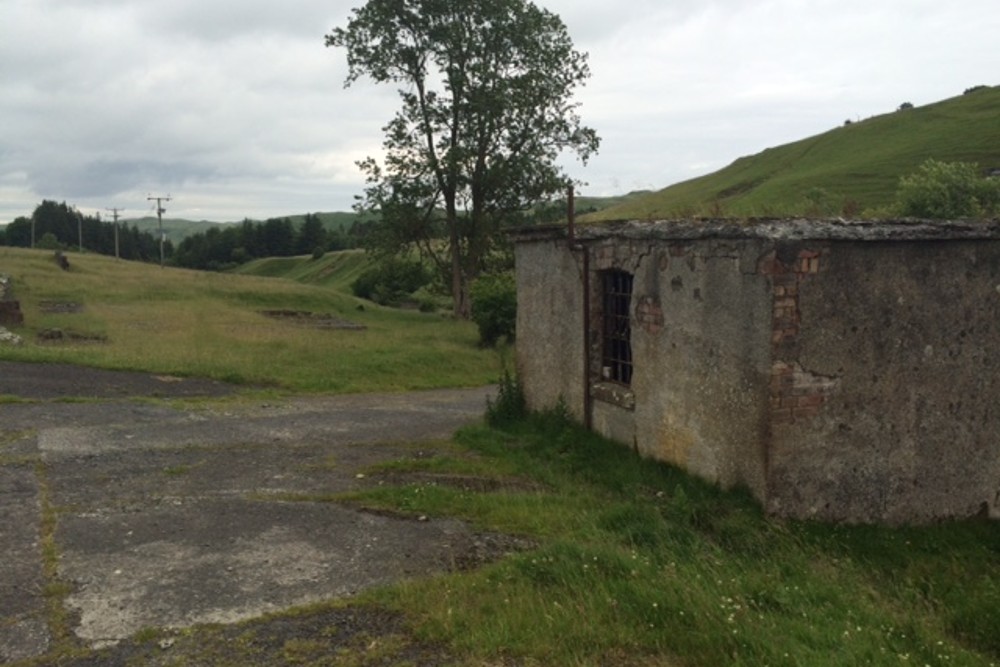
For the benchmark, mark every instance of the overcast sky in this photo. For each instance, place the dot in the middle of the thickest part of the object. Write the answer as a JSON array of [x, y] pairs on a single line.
[[237, 109]]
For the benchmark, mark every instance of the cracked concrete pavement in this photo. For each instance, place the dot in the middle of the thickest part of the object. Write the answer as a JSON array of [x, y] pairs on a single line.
[[166, 515]]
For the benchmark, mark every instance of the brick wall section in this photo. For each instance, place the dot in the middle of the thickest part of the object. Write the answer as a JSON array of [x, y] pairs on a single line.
[[795, 394]]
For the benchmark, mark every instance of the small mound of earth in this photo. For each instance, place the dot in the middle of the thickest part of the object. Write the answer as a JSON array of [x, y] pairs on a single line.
[[63, 336], [310, 319], [60, 307]]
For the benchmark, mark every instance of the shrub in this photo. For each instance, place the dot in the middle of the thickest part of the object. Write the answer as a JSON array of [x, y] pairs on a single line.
[[947, 190], [318, 252], [494, 307], [391, 280], [48, 242]]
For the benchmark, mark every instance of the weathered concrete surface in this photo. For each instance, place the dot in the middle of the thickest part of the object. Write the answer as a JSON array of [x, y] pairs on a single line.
[[170, 517]]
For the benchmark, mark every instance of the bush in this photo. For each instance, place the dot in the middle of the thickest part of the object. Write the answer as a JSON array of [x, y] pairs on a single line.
[[318, 252], [390, 281], [494, 307], [948, 190], [48, 242]]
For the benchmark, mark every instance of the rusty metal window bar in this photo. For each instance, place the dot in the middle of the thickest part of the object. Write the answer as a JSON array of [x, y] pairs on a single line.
[[616, 355]]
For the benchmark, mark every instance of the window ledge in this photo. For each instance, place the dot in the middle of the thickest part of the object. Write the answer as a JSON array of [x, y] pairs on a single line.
[[613, 393]]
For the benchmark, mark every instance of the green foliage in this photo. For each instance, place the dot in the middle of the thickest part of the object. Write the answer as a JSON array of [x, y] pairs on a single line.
[[494, 307], [510, 405], [948, 190], [486, 91], [391, 280], [48, 242], [58, 225], [318, 252]]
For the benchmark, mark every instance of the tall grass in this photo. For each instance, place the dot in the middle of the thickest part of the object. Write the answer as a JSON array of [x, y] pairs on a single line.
[[640, 564], [175, 321]]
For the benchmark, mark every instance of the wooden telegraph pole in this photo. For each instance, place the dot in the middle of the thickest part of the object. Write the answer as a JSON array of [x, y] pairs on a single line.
[[114, 212], [159, 216]]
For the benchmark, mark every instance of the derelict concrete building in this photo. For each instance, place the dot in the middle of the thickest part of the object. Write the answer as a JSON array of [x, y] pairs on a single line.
[[839, 370]]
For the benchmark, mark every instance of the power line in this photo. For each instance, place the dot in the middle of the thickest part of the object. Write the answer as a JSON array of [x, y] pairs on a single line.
[[159, 216]]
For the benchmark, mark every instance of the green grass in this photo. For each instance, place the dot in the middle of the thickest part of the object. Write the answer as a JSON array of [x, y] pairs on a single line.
[[337, 270], [640, 564], [191, 323], [848, 170]]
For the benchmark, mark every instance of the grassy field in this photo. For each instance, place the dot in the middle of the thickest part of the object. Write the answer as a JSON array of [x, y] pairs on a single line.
[[138, 316], [846, 171]]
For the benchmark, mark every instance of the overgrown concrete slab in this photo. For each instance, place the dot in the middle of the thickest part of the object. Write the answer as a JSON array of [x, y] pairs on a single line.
[[168, 516]]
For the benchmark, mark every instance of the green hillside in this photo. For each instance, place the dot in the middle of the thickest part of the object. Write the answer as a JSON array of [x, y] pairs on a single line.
[[335, 269], [846, 171]]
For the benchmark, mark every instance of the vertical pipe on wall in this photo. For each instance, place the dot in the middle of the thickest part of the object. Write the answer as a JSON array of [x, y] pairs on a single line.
[[588, 410]]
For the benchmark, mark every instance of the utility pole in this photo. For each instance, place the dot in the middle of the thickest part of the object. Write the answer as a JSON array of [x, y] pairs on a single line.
[[159, 216], [114, 212]]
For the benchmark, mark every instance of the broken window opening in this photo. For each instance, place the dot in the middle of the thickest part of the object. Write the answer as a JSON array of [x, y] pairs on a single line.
[[616, 355]]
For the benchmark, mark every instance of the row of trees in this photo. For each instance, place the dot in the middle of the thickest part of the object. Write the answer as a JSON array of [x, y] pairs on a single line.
[[226, 246], [55, 225]]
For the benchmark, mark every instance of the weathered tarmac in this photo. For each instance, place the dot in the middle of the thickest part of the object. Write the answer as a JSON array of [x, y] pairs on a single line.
[[160, 514]]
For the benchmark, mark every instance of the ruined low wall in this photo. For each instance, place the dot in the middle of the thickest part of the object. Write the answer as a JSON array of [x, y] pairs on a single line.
[[10, 308]]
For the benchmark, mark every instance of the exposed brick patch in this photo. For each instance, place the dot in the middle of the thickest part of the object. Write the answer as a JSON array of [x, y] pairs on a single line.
[[649, 314], [795, 393]]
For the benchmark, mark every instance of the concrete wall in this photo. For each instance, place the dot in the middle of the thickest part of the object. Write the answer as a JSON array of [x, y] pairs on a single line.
[[898, 344], [844, 371], [701, 346], [550, 338]]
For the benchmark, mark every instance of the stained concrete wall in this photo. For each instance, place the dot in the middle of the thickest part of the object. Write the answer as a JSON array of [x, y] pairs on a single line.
[[844, 371], [903, 338], [550, 325]]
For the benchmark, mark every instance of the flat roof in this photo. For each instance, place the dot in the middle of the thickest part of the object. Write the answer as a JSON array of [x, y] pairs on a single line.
[[777, 229]]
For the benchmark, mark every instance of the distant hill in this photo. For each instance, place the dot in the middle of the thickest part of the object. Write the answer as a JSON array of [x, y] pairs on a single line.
[[177, 229], [846, 171]]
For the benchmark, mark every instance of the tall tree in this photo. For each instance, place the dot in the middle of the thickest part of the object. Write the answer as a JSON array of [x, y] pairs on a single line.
[[486, 89], [312, 234]]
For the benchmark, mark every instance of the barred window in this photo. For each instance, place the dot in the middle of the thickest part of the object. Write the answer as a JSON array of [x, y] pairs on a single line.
[[616, 356]]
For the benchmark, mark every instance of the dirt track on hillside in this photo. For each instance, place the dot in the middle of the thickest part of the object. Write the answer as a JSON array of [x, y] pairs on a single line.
[[169, 516]]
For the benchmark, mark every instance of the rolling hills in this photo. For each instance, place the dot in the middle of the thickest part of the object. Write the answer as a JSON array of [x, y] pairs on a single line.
[[850, 170]]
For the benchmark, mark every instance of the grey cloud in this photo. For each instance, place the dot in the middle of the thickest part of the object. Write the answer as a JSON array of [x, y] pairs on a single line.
[[109, 177]]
